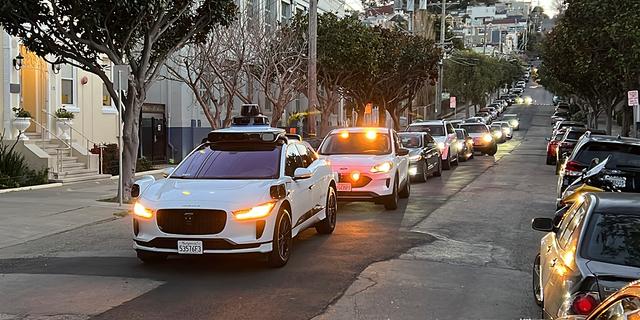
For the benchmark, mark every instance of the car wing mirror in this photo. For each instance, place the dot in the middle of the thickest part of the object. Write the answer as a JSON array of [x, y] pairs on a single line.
[[402, 152], [548, 138], [166, 172], [302, 173], [542, 224]]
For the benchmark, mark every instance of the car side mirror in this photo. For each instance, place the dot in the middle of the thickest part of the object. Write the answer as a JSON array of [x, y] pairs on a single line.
[[402, 152], [135, 191], [548, 138], [542, 224], [302, 173], [166, 172]]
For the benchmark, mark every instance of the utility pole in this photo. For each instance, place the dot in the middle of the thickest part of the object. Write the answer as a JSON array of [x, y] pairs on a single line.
[[311, 70], [438, 102]]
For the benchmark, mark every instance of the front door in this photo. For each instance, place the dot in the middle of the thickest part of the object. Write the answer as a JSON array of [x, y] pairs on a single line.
[[153, 140], [33, 89]]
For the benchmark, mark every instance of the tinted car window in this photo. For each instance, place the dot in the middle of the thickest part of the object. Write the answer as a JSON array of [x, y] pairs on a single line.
[[622, 154], [613, 238], [305, 154], [356, 143], [231, 162], [475, 128], [574, 135], [460, 134], [293, 161], [410, 141], [433, 130], [571, 226]]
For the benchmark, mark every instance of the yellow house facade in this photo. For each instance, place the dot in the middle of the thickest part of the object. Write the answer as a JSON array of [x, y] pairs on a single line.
[[30, 83]]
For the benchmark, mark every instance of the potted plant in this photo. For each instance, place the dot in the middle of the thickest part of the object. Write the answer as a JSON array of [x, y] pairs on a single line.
[[21, 122], [64, 121]]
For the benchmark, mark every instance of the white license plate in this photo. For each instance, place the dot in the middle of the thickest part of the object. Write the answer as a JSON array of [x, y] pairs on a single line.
[[189, 247], [619, 182], [344, 186]]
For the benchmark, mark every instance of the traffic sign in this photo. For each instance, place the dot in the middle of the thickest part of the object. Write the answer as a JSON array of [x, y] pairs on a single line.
[[632, 96], [445, 95], [452, 102]]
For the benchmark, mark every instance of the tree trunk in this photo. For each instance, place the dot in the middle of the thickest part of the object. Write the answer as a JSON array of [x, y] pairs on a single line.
[[625, 122], [382, 116], [131, 141], [608, 118], [360, 113], [396, 121]]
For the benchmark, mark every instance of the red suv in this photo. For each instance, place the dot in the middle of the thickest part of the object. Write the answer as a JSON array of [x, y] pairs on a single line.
[[552, 146]]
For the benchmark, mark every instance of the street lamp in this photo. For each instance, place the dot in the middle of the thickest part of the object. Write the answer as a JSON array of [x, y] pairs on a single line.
[[17, 61], [55, 67]]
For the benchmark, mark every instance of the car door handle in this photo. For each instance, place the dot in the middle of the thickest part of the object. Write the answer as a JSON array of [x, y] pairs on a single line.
[[548, 248], [553, 262], [311, 186]]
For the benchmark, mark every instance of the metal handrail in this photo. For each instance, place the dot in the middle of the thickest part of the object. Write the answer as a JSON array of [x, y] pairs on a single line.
[[89, 142], [59, 160]]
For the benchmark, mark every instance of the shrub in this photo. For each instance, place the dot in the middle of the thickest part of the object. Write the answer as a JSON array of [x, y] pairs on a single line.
[[580, 116], [21, 113], [143, 164], [36, 177], [62, 113], [7, 182]]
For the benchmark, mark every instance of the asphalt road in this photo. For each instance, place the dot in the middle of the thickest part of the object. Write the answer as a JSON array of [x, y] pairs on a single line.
[[92, 271]]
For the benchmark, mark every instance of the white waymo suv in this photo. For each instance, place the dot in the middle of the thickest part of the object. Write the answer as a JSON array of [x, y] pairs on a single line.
[[246, 189], [445, 135], [371, 164]]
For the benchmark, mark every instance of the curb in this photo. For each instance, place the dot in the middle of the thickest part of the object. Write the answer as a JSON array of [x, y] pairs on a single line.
[[139, 174], [41, 186]]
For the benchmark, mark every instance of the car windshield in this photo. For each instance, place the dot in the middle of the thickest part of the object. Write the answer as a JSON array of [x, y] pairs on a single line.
[[356, 143], [410, 141], [613, 238], [475, 128], [622, 155], [435, 130], [231, 161]]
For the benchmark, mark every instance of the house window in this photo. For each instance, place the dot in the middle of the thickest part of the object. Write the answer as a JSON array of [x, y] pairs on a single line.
[[106, 96], [286, 11], [68, 84]]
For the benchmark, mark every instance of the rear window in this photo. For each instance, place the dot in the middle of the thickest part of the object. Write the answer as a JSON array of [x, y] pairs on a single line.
[[475, 128], [622, 155], [574, 135], [356, 143], [434, 130], [613, 238]]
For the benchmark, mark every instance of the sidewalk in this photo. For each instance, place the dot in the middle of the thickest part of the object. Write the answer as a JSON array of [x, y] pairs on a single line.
[[32, 214]]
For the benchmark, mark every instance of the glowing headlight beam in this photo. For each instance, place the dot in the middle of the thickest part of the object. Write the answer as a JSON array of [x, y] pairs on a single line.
[[141, 211], [255, 212]]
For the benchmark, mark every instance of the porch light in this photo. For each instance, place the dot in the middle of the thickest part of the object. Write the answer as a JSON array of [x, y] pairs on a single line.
[[55, 67], [17, 61]]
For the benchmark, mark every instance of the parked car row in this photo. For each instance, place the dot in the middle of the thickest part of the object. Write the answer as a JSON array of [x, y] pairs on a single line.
[[591, 248]]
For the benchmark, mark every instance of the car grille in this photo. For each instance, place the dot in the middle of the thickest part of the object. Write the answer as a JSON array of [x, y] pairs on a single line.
[[363, 181], [192, 222]]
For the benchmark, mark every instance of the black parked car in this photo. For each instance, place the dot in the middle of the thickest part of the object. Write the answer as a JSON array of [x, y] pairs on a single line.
[[465, 145], [425, 157], [623, 169], [568, 142], [592, 253]]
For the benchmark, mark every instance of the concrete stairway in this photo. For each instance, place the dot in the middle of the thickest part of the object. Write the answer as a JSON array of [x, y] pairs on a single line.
[[72, 170]]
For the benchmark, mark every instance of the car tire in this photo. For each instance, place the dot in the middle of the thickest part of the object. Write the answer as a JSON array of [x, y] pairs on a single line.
[[472, 153], [493, 150], [438, 172], [391, 203], [282, 240], [328, 224], [457, 159], [447, 163], [151, 257], [551, 161], [537, 282], [406, 191], [464, 157], [423, 173]]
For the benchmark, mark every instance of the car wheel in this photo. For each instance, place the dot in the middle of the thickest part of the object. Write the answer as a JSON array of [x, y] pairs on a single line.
[[464, 157], [457, 159], [551, 160], [282, 240], [328, 224], [439, 171], [537, 282], [447, 163], [423, 174], [472, 152], [493, 151], [150, 257], [406, 191], [392, 200]]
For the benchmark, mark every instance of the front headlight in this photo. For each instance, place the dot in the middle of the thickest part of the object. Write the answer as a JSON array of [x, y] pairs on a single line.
[[141, 211], [441, 145], [260, 211], [515, 123], [415, 158], [488, 138], [382, 167], [498, 134], [460, 145]]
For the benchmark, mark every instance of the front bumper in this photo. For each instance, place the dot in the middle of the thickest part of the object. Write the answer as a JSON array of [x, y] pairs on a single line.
[[379, 185], [210, 246]]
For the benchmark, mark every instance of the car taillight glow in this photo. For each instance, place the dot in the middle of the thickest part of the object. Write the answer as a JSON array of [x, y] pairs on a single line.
[[571, 168], [584, 304]]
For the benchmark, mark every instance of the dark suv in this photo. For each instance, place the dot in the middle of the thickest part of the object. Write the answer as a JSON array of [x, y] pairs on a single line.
[[568, 142], [623, 169]]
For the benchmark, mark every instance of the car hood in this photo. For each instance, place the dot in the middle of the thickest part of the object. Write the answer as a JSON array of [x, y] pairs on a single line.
[[477, 135], [200, 191], [612, 277]]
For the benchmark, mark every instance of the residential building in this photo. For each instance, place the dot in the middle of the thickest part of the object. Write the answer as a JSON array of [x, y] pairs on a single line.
[[29, 82]]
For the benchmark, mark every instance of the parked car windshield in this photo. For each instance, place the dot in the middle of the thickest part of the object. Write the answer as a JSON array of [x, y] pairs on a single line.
[[433, 130], [613, 238], [475, 128], [410, 140], [356, 143], [622, 155], [231, 161]]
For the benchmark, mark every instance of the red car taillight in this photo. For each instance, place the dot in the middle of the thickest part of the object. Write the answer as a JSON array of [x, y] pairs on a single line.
[[584, 304], [572, 168]]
